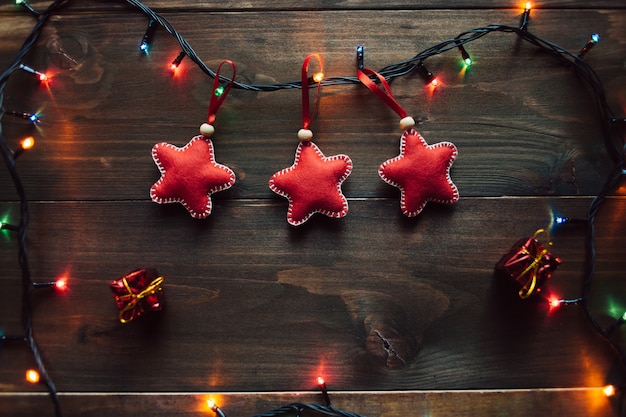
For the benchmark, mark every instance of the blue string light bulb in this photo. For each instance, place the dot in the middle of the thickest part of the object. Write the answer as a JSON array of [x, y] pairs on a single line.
[[360, 54], [34, 118], [144, 46], [593, 40]]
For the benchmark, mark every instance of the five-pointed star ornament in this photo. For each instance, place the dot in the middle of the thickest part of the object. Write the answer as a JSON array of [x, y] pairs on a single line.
[[189, 175], [421, 172], [313, 184]]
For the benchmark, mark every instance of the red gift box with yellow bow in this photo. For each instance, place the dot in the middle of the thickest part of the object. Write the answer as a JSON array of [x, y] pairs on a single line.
[[529, 264], [137, 292]]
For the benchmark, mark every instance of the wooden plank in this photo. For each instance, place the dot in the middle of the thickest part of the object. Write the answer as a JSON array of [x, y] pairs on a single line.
[[102, 114], [512, 403], [256, 305], [215, 5]]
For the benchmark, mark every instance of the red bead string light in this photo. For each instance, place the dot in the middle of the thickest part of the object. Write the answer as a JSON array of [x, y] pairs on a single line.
[[613, 138], [37, 74], [177, 61]]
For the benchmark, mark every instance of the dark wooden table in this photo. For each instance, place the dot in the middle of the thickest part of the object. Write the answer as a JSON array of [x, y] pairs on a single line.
[[257, 309]]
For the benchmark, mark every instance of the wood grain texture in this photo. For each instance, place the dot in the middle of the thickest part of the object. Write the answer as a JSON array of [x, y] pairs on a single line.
[[216, 5], [512, 403], [226, 325], [108, 105], [256, 309]]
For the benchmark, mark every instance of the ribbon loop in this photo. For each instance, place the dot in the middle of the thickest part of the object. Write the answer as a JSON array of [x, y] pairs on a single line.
[[218, 98], [383, 93], [307, 115]]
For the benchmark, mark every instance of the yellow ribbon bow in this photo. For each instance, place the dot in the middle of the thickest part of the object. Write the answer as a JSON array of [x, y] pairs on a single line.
[[136, 297]]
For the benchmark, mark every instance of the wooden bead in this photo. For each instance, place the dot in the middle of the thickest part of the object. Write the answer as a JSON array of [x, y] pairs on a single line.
[[305, 134], [207, 130], [407, 123]]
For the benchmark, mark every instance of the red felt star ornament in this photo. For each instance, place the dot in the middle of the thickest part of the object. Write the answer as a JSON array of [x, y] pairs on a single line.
[[421, 172], [313, 184], [189, 175]]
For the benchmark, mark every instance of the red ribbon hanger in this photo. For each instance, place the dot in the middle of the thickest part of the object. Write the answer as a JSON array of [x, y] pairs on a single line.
[[383, 93], [218, 99], [307, 115]]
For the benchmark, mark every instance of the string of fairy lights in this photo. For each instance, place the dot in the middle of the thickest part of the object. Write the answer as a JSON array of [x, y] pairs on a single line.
[[613, 130]]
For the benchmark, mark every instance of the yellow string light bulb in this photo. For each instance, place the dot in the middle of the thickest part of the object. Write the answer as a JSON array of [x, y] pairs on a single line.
[[318, 77], [525, 16], [218, 411], [32, 376], [27, 143], [609, 390]]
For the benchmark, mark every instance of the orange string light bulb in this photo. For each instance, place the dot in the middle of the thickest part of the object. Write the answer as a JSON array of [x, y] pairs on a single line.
[[525, 16], [32, 376], [318, 77], [609, 390], [27, 143]]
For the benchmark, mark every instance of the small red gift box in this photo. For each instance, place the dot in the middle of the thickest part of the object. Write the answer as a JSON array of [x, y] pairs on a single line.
[[137, 292], [529, 264]]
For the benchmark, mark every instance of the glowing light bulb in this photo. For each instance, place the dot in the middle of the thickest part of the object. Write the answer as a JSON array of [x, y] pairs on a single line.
[[176, 62], [219, 91], [431, 80], [554, 302], [525, 16], [593, 40], [40, 75], [609, 390], [32, 376], [218, 411], [560, 219], [322, 384], [467, 60], [318, 77], [34, 118], [360, 52], [27, 143], [144, 46], [27, 6], [61, 284], [624, 316], [6, 226]]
